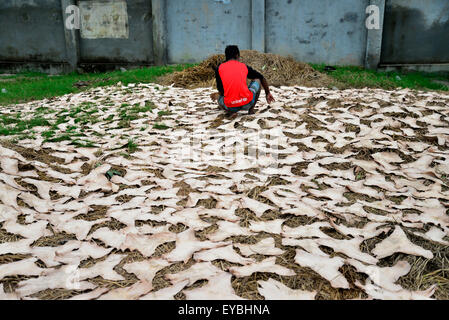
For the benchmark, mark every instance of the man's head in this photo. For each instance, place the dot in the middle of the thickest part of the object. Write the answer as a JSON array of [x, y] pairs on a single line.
[[232, 52]]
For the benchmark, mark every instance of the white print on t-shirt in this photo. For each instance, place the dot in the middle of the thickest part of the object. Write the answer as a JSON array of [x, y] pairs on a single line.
[[239, 101]]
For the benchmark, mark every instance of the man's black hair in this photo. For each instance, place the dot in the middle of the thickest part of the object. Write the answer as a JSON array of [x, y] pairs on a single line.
[[232, 52]]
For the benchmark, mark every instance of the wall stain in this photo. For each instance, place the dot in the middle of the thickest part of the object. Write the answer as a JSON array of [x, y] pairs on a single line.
[[409, 39], [350, 17]]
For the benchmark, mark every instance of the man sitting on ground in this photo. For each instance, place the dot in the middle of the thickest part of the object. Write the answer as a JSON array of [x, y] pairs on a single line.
[[233, 94]]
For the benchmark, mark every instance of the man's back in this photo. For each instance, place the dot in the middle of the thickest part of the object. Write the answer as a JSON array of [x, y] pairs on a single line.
[[233, 94], [233, 75]]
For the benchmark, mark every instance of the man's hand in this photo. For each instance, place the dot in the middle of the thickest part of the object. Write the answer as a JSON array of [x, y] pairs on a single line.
[[215, 96], [270, 98]]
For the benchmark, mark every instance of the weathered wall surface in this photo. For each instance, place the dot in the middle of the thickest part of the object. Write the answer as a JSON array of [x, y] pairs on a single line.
[[327, 31], [197, 29], [177, 31], [416, 31], [31, 30], [120, 32]]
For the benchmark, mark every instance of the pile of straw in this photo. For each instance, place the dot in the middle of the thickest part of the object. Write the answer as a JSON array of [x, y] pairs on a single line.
[[278, 70]]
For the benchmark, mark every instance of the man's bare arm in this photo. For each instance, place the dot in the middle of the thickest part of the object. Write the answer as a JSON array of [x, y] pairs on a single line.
[[253, 74], [266, 87]]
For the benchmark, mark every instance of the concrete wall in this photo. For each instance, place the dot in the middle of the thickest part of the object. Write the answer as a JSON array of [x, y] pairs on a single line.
[[144, 32], [197, 29], [31, 30], [416, 31], [133, 45], [325, 31]]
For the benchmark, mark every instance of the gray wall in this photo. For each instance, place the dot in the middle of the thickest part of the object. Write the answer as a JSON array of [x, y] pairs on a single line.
[[31, 30], [196, 29], [416, 31], [138, 48], [327, 31], [178, 31]]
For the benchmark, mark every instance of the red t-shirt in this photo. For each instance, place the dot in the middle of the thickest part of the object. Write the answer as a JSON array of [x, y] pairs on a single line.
[[233, 75]]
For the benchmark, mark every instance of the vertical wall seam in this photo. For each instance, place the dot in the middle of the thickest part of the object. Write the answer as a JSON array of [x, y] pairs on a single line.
[[258, 25], [374, 39], [159, 9], [72, 41]]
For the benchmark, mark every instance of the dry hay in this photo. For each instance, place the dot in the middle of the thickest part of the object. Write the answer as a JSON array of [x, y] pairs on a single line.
[[306, 279], [6, 236], [424, 272], [278, 70], [55, 240]]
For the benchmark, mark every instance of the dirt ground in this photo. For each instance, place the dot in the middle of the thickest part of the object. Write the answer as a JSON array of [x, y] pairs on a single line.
[[325, 194]]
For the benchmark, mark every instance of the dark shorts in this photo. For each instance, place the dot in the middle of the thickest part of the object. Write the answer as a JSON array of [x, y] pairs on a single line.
[[254, 87]]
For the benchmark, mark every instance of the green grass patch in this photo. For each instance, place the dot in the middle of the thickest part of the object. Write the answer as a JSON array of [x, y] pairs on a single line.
[[63, 137], [160, 126], [83, 114], [31, 86], [164, 113], [129, 113], [12, 125], [83, 143], [132, 146], [112, 173], [48, 134], [358, 77]]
